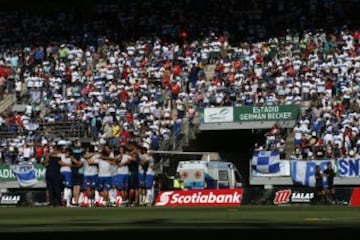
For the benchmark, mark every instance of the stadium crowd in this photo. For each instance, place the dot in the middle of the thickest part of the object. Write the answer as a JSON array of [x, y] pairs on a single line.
[[80, 68], [138, 92]]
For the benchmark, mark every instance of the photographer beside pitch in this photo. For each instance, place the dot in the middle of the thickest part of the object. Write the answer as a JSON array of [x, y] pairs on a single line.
[[319, 186], [330, 190]]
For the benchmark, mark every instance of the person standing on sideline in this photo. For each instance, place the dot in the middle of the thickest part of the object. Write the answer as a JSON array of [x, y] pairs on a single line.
[[77, 170], [53, 178], [134, 174], [330, 190], [319, 185], [146, 177]]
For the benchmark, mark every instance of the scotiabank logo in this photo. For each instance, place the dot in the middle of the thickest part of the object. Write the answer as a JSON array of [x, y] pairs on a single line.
[[223, 197], [282, 196]]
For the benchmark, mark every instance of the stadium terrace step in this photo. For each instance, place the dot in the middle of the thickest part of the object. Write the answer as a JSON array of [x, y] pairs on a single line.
[[7, 102], [210, 71], [18, 108], [304, 105], [289, 145]]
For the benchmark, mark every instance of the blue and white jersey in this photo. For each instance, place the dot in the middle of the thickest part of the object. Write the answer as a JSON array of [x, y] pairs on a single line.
[[65, 160], [124, 169], [91, 170], [298, 132], [148, 168], [338, 139], [104, 167]]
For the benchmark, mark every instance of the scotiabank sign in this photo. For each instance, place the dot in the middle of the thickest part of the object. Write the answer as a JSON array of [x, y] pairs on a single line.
[[215, 198]]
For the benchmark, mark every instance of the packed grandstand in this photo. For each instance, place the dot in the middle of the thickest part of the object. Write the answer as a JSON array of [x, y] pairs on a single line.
[[142, 89]]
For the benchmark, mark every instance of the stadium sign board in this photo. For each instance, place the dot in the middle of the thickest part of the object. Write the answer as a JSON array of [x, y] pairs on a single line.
[[266, 113]]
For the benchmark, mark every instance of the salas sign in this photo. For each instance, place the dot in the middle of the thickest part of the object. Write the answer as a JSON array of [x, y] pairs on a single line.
[[266, 113], [197, 198], [8, 199], [6, 175], [289, 196]]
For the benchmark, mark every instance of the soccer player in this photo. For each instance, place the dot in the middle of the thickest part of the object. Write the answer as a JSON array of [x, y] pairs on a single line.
[[90, 178], [104, 162], [65, 172], [121, 180], [146, 177]]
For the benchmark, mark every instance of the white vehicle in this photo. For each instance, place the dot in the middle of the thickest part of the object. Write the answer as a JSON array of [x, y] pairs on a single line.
[[202, 174]]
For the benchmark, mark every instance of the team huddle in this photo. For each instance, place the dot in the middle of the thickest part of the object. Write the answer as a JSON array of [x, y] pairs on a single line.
[[78, 176]]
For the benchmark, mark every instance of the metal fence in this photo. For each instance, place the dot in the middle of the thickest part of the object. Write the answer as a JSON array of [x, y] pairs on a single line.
[[71, 129]]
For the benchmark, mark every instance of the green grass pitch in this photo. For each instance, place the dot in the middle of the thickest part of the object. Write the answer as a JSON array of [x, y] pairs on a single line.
[[18, 219]]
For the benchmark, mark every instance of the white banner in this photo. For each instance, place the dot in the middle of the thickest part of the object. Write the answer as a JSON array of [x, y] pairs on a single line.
[[218, 114], [349, 167], [303, 171]]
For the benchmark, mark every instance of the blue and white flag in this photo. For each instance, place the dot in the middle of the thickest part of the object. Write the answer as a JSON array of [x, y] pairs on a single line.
[[303, 171], [25, 174], [266, 161]]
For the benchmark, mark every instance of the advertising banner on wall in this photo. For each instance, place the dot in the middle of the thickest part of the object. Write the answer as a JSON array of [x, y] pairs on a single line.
[[218, 115], [355, 198], [198, 198], [22, 198], [292, 196]]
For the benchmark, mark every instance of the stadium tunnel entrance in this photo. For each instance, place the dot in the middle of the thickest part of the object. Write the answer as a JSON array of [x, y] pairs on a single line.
[[235, 146]]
